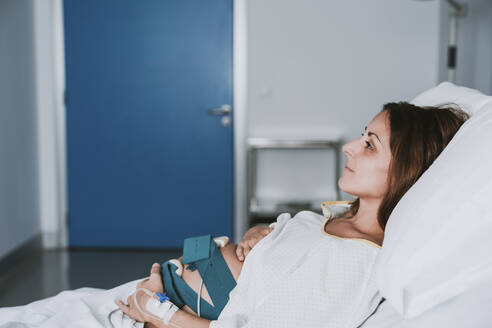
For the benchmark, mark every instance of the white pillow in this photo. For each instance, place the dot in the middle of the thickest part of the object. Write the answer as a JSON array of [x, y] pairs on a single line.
[[438, 240], [470, 100], [470, 309]]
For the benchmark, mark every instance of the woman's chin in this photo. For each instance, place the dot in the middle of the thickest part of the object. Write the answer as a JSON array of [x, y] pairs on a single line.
[[343, 185], [346, 189]]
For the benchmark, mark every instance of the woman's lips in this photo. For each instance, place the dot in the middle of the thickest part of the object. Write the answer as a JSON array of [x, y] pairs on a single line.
[[348, 168]]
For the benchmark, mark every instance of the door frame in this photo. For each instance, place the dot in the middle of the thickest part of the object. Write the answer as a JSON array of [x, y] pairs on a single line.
[[240, 96], [55, 139]]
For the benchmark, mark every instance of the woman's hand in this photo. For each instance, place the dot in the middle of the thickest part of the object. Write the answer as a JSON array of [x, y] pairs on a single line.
[[251, 238], [131, 310], [152, 283]]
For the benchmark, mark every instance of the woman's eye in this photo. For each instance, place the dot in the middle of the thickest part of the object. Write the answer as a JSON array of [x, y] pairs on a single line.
[[369, 146]]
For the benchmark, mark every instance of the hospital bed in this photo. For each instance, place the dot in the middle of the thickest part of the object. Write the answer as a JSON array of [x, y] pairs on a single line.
[[435, 266]]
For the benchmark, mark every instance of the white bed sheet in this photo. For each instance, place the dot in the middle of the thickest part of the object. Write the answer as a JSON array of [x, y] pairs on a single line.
[[84, 307]]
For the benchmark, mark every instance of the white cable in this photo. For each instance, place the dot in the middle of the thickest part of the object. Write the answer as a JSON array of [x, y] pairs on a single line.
[[167, 313], [138, 306], [199, 298]]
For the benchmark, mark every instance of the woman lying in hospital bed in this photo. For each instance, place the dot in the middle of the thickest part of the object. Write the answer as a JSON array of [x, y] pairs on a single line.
[[303, 271]]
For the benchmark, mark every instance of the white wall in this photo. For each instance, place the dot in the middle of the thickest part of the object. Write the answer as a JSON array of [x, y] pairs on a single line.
[[324, 59], [32, 142], [324, 68], [313, 68], [19, 196], [474, 43], [50, 83]]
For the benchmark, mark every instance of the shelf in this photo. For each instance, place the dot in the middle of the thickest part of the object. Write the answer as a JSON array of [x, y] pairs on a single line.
[[269, 212], [267, 143], [266, 211]]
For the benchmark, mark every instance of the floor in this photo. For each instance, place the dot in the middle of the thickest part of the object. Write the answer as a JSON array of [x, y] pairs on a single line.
[[47, 273]]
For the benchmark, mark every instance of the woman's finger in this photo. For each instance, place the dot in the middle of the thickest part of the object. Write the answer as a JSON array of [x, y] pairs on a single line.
[[240, 252], [156, 268], [252, 242], [248, 245], [124, 308], [246, 251]]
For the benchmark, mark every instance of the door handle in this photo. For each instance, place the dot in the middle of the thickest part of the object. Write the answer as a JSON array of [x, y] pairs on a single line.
[[221, 111]]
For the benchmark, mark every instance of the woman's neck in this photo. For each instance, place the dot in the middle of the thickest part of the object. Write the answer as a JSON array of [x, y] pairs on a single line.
[[366, 218]]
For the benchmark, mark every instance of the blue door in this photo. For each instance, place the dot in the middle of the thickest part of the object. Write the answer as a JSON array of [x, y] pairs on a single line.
[[147, 164]]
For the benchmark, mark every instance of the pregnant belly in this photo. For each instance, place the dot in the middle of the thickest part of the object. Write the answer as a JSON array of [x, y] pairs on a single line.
[[193, 279]]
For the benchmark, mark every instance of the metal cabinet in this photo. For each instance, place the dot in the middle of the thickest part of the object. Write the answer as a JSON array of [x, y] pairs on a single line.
[[260, 211]]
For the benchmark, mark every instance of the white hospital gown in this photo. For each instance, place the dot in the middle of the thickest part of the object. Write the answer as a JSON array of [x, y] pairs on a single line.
[[299, 276]]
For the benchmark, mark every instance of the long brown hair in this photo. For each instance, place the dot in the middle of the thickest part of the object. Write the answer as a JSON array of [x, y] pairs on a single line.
[[417, 136]]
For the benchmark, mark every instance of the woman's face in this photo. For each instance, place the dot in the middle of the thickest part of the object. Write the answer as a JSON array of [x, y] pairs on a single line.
[[368, 159]]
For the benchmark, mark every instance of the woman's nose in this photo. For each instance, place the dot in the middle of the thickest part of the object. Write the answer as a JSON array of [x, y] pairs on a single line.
[[349, 148]]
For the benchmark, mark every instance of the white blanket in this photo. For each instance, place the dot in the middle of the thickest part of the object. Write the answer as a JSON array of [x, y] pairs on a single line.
[[84, 307]]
